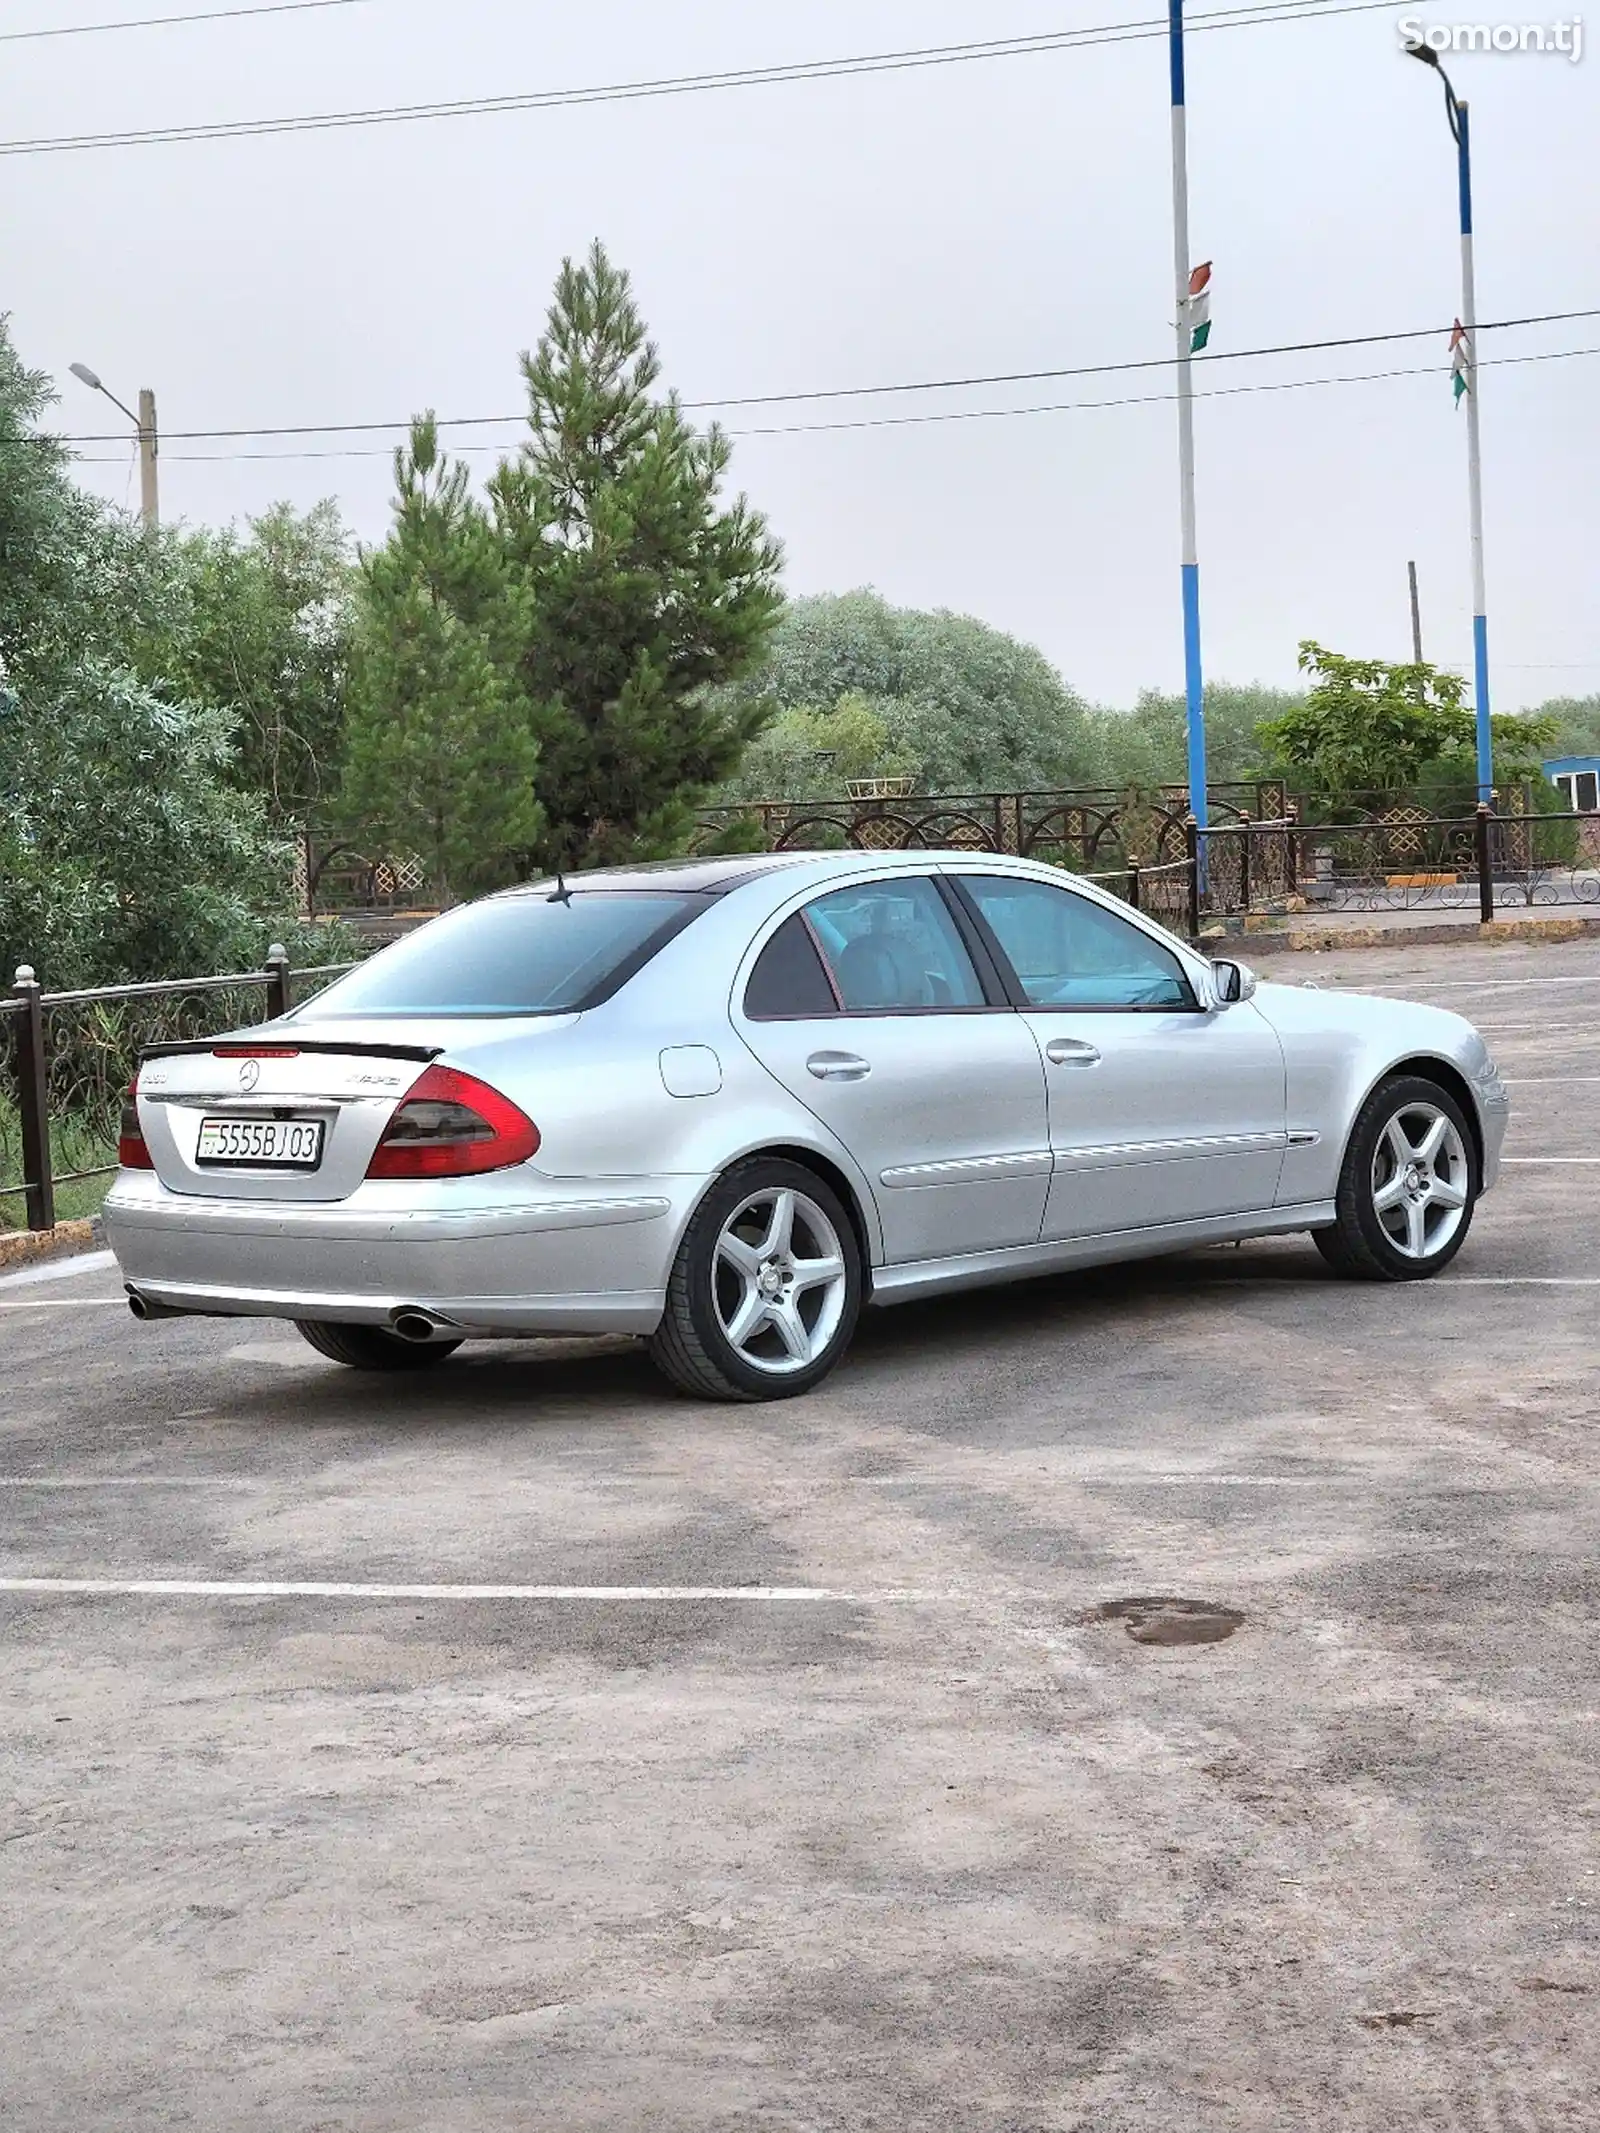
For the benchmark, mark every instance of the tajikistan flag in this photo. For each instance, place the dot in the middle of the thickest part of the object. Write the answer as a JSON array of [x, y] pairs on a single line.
[[1460, 361], [1197, 307]]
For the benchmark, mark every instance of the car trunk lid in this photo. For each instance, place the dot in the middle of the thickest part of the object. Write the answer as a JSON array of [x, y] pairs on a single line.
[[343, 1080]]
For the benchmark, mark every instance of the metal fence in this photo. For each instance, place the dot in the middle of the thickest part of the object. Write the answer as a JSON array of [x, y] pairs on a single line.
[[1400, 861], [1084, 828], [66, 1059]]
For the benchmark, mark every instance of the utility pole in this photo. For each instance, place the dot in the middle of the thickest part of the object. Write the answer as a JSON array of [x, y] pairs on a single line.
[[1189, 562], [1416, 617], [149, 508], [1467, 389], [145, 423]]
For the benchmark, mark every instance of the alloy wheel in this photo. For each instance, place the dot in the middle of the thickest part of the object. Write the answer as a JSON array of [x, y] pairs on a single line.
[[778, 1281], [1421, 1180]]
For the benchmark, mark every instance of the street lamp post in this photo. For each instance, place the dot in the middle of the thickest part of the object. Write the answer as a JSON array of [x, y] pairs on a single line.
[[1456, 112], [145, 423]]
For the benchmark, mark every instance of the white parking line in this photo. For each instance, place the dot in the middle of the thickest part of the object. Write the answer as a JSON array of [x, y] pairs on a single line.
[[209, 1588], [60, 1269], [1549, 1081], [1518, 1281], [1550, 1159], [131, 1481], [63, 1303], [1126, 1480], [1473, 984]]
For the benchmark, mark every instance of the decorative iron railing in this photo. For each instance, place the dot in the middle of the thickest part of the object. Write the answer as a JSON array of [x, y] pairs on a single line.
[[1085, 829], [66, 1059]]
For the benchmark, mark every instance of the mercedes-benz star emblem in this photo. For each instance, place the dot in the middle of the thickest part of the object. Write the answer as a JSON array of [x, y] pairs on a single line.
[[249, 1073]]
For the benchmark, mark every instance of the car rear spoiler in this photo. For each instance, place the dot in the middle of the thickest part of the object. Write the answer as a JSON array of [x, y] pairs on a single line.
[[236, 1038]]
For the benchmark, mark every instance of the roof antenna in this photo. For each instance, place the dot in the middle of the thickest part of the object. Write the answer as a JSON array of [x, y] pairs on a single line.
[[560, 894]]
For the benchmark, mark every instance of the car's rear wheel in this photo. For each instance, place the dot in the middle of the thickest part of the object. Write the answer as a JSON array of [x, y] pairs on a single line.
[[370, 1348], [1408, 1186], [766, 1289]]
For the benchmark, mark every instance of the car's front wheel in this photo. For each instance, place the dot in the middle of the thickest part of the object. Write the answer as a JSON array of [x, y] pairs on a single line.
[[766, 1289], [370, 1348], [1408, 1186]]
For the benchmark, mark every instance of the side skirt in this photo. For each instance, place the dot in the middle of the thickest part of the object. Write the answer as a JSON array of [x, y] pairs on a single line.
[[927, 1277]]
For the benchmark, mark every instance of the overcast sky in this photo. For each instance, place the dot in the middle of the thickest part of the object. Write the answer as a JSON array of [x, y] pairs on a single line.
[[1010, 215]]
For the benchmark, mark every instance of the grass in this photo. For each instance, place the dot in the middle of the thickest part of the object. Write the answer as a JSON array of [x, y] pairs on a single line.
[[75, 1144]]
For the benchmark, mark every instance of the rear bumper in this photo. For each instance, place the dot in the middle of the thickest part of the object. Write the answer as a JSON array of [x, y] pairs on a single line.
[[574, 1260]]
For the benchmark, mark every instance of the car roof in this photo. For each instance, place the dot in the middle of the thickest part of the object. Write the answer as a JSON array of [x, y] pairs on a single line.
[[703, 877]]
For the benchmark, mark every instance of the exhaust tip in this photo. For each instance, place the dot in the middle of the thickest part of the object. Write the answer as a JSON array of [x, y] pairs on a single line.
[[415, 1326], [144, 1309]]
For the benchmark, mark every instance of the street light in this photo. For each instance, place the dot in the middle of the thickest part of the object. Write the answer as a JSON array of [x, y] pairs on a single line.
[[1456, 112], [145, 423]]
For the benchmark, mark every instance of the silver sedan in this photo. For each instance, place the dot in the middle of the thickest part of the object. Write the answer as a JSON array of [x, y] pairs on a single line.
[[723, 1104]]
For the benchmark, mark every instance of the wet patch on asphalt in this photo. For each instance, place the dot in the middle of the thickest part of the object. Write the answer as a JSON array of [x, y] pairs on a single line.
[[1162, 1618]]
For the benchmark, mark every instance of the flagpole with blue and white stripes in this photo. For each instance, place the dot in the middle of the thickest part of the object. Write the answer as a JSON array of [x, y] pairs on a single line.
[[1190, 561]]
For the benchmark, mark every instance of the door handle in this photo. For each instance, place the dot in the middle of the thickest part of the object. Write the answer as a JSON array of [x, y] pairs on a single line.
[[1071, 1051], [837, 1066]]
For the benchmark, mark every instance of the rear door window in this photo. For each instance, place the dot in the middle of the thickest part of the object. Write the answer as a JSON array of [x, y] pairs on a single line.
[[893, 948], [512, 955]]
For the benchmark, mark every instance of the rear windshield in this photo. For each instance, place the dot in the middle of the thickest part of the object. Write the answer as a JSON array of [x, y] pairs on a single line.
[[512, 955]]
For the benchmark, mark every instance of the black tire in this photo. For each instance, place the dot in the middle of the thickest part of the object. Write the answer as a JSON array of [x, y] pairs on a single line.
[[690, 1346], [1358, 1246], [370, 1348]]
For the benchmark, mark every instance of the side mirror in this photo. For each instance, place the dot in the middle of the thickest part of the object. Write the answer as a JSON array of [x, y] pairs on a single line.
[[1232, 982]]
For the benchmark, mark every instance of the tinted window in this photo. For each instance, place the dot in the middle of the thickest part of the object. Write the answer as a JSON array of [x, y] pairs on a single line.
[[1068, 952], [789, 979], [893, 945], [513, 955]]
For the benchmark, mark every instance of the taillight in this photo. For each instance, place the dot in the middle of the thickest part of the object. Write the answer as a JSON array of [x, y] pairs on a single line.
[[255, 1051], [450, 1125], [132, 1153]]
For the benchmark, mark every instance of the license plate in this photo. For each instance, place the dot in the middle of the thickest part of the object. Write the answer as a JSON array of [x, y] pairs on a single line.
[[264, 1143]]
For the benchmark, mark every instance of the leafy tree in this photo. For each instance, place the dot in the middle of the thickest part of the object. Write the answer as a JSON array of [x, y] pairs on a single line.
[[811, 753], [964, 705], [1575, 724], [50, 532], [441, 758], [262, 622], [632, 591], [126, 849], [1368, 726], [1149, 745]]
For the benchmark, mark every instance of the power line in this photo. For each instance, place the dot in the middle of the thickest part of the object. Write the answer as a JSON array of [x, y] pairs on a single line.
[[161, 22], [1060, 407], [881, 422], [695, 84], [852, 392]]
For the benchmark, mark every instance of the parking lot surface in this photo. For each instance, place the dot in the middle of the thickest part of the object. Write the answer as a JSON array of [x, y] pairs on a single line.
[[799, 1772]]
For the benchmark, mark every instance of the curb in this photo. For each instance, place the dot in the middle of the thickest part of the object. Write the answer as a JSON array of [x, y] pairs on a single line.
[[1308, 940], [26, 1247]]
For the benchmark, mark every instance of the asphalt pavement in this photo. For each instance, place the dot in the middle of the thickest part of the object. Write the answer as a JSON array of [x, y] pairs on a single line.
[[523, 1746]]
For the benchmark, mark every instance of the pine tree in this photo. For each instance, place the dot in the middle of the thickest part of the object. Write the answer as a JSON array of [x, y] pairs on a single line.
[[440, 760], [633, 594]]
